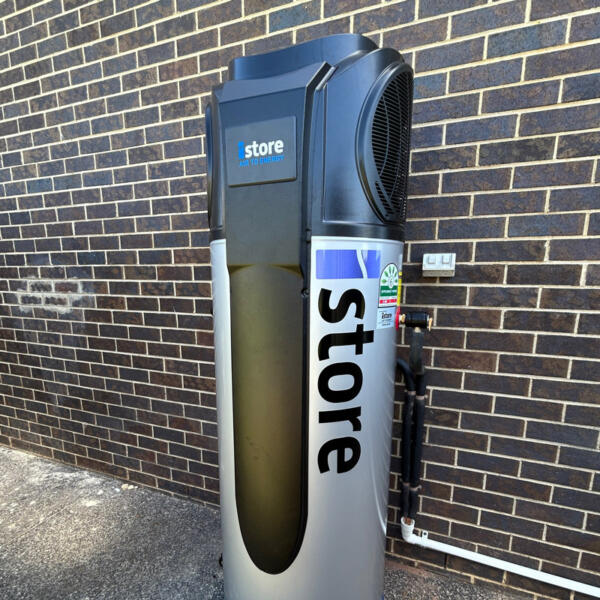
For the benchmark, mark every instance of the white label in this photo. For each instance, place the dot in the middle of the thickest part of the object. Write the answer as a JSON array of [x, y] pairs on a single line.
[[385, 317]]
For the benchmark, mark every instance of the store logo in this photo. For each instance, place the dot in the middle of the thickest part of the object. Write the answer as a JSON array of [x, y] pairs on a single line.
[[347, 449], [260, 152]]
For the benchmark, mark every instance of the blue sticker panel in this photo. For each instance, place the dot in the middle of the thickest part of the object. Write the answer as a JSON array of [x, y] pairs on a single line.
[[348, 264]]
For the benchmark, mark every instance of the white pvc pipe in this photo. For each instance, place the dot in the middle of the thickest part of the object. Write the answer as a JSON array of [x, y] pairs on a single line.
[[423, 540]]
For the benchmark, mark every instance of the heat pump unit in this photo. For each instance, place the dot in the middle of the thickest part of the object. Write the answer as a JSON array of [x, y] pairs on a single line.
[[308, 153]]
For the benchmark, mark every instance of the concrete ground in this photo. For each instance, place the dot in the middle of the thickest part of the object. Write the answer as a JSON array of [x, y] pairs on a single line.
[[69, 534]]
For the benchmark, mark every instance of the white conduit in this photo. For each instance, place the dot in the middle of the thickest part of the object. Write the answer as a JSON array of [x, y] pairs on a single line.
[[423, 540]]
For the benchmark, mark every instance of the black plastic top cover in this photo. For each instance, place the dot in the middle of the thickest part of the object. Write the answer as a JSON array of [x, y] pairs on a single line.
[[332, 50], [327, 123]]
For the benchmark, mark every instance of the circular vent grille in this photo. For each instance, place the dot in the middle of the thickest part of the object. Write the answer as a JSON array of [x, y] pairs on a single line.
[[390, 142]]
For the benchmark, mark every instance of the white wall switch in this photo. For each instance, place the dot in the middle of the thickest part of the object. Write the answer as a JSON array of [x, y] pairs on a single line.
[[439, 265]]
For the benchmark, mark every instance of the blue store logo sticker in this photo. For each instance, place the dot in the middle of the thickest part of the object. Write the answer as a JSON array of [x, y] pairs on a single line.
[[261, 152], [348, 264]]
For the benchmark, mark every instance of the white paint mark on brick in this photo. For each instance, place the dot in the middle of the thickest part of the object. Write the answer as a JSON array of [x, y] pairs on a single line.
[[61, 295]]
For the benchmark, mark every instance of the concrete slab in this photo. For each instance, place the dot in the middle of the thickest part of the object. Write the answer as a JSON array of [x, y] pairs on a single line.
[[69, 534]]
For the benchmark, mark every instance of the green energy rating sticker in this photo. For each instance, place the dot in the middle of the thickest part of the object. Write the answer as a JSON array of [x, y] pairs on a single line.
[[388, 286]]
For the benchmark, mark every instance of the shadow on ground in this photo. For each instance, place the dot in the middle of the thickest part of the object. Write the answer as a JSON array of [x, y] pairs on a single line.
[[69, 534]]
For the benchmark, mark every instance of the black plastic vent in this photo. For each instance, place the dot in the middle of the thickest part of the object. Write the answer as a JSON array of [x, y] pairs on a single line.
[[390, 142]]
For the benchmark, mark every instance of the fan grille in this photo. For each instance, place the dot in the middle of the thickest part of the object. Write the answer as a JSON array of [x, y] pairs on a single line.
[[390, 139]]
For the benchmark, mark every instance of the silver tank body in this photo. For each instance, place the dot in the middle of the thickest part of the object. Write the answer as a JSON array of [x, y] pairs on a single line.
[[343, 548]]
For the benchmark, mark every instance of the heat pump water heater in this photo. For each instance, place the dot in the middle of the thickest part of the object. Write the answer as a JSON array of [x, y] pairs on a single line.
[[308, 152]]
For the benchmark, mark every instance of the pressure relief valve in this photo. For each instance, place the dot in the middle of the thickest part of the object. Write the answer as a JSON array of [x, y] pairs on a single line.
[[417, 319]]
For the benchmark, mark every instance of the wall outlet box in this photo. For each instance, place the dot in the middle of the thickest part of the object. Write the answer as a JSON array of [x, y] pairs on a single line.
[[439, 265]]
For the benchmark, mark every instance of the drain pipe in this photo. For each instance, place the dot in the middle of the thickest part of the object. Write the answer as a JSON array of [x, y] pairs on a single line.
[[408, 535], [412, 431]]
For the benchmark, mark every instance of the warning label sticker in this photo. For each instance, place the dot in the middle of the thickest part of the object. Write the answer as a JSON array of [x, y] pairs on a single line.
[[388, 286]]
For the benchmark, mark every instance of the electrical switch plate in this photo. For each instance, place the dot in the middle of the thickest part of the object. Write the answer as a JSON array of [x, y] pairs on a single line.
[[439, 265]]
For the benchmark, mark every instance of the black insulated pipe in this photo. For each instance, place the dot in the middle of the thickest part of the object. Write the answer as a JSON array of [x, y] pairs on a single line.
[[409, 382], [413, 414], [407, 418], [417, 455]]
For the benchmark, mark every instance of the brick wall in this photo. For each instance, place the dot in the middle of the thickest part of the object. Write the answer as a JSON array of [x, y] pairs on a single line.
[[105, 340]]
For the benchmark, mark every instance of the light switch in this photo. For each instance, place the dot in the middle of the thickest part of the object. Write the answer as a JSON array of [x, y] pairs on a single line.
[[439, 265]]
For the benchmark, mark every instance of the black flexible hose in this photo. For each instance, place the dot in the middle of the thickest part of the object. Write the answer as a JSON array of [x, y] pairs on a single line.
[[407, 418], [417, 449], [413, 426], [415, 359], [409, 382], [420, 384], [407, 421]]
